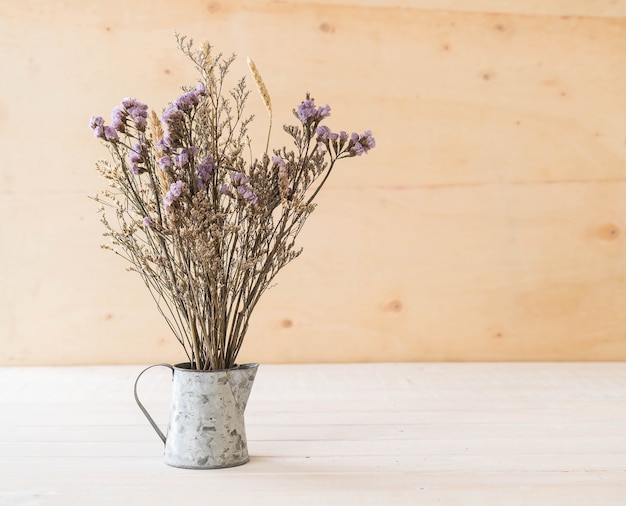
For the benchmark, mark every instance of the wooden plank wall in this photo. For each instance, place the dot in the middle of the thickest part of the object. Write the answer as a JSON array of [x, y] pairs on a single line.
[[488, 224]]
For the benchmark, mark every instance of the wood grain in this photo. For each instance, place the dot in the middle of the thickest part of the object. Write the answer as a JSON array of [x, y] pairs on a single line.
[[488, 224]]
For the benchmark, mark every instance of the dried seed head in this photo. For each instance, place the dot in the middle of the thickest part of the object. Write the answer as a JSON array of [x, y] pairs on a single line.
[[164, 182], [156, 132], [261, 86]]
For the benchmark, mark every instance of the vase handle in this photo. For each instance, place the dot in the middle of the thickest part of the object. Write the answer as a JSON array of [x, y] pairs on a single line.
[[143, 410]]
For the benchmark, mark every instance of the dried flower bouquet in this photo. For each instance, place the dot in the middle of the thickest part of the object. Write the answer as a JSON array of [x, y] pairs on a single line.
[[206, 226]]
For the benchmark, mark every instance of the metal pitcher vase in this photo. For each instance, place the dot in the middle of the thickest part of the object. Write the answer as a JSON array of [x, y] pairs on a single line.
[[206, 421]]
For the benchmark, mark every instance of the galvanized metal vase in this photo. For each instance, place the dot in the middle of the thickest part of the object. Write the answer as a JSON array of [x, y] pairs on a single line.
[[206, 422]]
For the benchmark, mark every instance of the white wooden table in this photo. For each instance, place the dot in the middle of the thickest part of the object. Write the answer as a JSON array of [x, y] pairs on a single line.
[[452, 434]]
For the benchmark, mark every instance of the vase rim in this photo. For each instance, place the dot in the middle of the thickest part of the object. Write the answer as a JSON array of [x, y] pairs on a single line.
[[186, 366]]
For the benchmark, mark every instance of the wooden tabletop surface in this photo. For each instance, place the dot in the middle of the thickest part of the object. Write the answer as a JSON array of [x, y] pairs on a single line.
[[419, 433]]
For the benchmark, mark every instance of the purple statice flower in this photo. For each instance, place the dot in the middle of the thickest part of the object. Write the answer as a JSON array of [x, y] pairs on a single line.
[[240, 183], [238, 178], [368, 141], [224, 189], [129, 102], [187, 101], [206, 168], [323, 112], [135, 158], [324, 137], [324, 134], [133, 108], [173, 127], [118, 119], [175, 191], [343, 139], [186, 154], [172, 113], [165, 162], [307, 112], [136, 169], [140, 117], [205, 171], [100, 131], [135, 155], [356, 147], [162, 145], [360, 144], [147, 222], [110, 134], [247, 194], [168, 200], [278, 161], [177, 188], [96, 123], [174, 116]]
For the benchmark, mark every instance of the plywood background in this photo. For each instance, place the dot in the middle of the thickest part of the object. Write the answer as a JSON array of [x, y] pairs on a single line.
[[488, 224]]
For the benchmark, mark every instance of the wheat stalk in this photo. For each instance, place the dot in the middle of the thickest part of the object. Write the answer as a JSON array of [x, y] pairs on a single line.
[[264, 94]]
